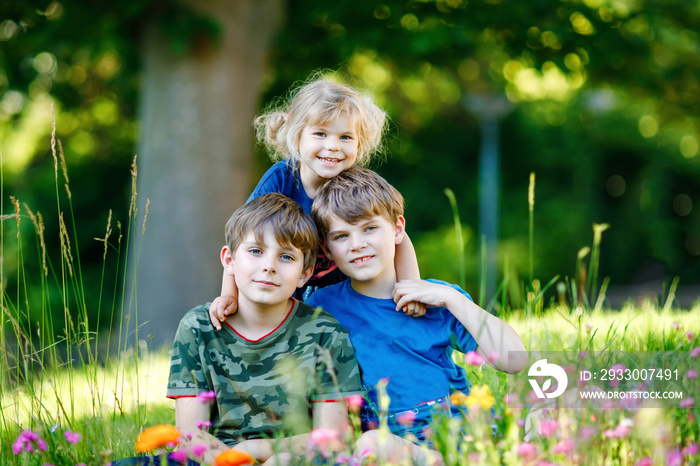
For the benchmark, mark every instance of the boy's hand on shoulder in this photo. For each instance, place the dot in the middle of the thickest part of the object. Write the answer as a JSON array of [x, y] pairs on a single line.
[[414, 309], [421, 291], [221, 307]]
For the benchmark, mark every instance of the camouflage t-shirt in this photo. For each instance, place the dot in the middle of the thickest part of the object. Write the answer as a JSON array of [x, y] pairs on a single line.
[[263, 386]]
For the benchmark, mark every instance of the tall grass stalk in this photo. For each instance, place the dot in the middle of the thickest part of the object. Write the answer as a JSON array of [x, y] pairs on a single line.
[[460, 238], [531, 225], [50, 379]]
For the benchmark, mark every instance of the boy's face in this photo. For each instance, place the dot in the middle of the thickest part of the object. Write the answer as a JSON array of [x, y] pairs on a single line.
[[266, 273], [364, 251]]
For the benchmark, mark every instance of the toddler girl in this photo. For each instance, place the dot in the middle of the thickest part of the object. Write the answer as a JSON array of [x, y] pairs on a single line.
[[324, 129]]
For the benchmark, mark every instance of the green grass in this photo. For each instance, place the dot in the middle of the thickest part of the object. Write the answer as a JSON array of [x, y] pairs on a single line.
[[53, 381]]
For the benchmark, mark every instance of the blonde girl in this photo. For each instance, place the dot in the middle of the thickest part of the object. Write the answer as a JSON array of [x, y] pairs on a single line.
[[324, 129]]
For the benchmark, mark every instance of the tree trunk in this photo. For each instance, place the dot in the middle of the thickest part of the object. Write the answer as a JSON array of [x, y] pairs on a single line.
[[194, 160]]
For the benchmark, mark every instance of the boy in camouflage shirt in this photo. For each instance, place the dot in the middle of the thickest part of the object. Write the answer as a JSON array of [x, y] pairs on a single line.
[[275, 357]]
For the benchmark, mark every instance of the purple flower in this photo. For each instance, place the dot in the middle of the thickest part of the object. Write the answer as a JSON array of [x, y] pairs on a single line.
[[690, 336], [564, 446], [473, 358], [72, 437], [548, 427], [687, 402], [180, 456], [199, 449], [674, 458], [676, 325], [28, 441], [646, 461], [692, 374], [691, 450], [695, 352], [206, 397], [203, 425], [527, 450]]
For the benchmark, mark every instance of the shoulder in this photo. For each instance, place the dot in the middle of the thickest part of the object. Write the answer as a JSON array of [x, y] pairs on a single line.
[[196, 321], [323, 295], [315, 314], [451, 285], [277, 179]]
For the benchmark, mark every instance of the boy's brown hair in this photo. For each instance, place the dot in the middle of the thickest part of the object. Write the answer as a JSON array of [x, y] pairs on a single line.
[[290, 225], [354, 195]]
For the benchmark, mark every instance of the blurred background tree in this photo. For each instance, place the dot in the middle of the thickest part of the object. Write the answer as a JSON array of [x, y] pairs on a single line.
[[605, 97]]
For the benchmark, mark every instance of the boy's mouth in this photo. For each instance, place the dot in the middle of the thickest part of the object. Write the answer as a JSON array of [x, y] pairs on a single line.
[[265, 283], [361, 260]]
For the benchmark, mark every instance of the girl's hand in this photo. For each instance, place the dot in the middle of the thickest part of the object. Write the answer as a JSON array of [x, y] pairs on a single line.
[[221, 307]]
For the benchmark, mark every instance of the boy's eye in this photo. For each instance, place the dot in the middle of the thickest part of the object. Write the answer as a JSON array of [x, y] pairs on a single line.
[[255, 251], [370, 228], [287, 257], [339, 236]]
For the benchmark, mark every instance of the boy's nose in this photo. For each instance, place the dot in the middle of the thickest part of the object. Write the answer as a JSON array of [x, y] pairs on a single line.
[[270, 267], [358, 243]]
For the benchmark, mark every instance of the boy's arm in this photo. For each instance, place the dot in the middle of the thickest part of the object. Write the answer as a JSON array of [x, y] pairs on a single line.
[[189, 411], [326, 415], [406, 265], [491, 334]]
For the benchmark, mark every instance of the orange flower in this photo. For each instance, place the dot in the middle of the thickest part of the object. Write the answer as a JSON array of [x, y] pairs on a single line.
[[233, 457], [157, 436]]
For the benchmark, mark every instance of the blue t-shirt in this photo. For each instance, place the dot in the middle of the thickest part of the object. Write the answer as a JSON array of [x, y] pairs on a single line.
[[284, 178], [415, 354]]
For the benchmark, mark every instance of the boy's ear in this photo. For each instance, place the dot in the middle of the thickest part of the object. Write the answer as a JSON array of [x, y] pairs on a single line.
[[400, 229], [325, 249], [227, 260], [305, 277]]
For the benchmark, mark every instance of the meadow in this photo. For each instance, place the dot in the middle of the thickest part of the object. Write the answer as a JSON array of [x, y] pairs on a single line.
[[68, 400]]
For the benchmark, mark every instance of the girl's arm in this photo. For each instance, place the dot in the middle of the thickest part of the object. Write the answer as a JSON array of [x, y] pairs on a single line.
[[226, 304], [406, 265], [491, 334]]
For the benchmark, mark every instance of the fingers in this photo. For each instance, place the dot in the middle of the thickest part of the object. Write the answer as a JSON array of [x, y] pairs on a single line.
[[213, 315]]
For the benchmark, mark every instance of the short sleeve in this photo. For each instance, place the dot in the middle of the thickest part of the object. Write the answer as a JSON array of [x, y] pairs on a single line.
[[337, 368], [186, 375], [273, 181], [459, 337]]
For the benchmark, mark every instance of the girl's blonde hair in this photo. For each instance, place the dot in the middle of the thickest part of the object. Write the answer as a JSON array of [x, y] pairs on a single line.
[[316, 103]]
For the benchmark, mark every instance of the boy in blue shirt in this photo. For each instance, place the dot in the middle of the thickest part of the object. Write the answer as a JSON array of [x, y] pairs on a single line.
[[360, 221]]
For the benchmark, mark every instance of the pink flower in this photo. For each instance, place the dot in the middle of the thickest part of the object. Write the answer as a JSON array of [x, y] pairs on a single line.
[[324, 438], [646, 461], [687, 402], [691, 450], [72, 437], [695, 352], [527, 450], [548, 427], [203, 425], [676, 325], [407, 418], [618, 432], [587, 432], [354, 402], [180, 456], [692, 374], [206, 397], [199, 449], [619, 369], [494, 356], [545, 463], [520, 422], [28, 441], [564, 446], [473, 358], [690, 336], [674, 458]]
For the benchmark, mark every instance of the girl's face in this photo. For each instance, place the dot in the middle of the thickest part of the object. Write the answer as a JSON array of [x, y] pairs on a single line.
[[326, 150]]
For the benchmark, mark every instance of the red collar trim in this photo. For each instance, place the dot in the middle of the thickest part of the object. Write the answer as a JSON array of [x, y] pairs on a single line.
[[291, 308]]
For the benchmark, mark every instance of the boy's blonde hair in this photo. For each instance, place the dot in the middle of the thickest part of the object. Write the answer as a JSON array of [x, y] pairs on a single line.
[[354, 195], [316, 103], [288, 221]]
